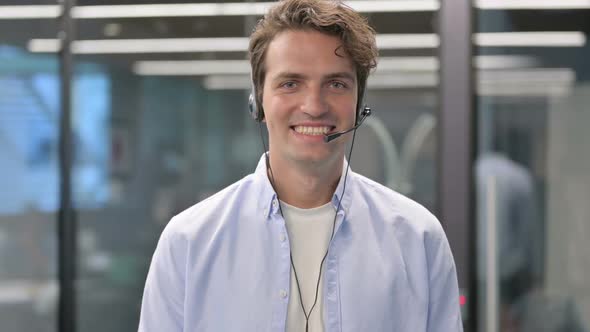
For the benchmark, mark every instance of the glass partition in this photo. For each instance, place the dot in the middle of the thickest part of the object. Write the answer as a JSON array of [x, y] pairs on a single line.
[[532, 166], [29, 182], [160, 122]]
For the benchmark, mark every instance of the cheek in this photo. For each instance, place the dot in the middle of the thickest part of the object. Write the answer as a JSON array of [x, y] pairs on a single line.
[[273, 121], [348, 112], [277, 110], [345, 106]]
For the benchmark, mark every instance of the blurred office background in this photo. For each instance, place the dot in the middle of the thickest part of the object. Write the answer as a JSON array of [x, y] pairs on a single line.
[[159, 122]]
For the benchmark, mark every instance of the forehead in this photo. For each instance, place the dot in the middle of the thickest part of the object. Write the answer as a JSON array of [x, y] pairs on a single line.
[[307, 52]]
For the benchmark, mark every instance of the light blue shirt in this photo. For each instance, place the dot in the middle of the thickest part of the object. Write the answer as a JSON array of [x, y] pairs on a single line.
[[223, 265]]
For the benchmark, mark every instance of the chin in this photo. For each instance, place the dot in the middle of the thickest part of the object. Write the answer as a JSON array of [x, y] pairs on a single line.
[[315, 158]]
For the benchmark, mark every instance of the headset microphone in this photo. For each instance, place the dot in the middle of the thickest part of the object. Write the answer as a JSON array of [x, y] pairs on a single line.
[[364, 114]]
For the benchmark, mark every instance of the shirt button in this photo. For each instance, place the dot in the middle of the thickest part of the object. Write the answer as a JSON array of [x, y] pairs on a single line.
[[283, 293], [274, 203], [282, 237]]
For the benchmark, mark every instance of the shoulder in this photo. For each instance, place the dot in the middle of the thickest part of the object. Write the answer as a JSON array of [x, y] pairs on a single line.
[[406, 215], [419, 234], [212, 211]]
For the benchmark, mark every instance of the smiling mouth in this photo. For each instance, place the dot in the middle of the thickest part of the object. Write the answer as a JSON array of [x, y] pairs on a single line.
[[312, 130]]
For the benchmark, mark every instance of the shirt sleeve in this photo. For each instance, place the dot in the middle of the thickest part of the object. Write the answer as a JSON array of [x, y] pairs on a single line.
[[444, 313], [162, 304]]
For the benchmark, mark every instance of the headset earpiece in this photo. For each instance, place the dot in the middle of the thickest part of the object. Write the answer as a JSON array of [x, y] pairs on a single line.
[[255, 112], [360, 107]]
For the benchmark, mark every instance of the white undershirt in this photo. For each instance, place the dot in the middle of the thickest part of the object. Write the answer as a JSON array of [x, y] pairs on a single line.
[[309, 236]]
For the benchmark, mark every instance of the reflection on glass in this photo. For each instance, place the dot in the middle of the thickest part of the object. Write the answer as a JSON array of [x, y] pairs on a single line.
[[396, 145]]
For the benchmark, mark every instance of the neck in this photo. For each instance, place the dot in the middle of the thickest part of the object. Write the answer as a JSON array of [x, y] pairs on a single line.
[[304, 187]]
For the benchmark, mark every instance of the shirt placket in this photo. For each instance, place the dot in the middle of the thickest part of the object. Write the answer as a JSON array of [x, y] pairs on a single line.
[[281, 292], [332, 286]]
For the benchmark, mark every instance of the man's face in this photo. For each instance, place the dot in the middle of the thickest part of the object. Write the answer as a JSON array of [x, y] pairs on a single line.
[[308, 91]]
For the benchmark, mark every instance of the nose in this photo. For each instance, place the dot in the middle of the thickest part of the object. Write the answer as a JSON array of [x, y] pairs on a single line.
[[315, 104]]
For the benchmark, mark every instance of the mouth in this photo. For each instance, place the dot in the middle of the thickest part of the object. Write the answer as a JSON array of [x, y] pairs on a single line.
[[313, 130]]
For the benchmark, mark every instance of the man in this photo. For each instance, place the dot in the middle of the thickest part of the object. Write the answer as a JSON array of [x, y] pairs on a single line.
[[304, 244]]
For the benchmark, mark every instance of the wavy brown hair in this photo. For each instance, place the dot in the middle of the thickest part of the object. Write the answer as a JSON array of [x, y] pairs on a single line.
[[331, 17]]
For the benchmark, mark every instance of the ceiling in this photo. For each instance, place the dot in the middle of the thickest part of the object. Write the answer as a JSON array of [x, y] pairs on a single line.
[[19, 32]]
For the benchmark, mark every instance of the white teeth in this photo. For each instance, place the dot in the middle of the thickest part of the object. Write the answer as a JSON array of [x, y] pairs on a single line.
[[312, 130]]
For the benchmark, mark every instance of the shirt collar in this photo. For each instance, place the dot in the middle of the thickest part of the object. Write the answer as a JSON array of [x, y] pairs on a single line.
[[267, 193], [268, 201], [339, 196]]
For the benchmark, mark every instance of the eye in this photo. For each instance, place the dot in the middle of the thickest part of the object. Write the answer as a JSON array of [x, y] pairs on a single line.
[[289, 85], [338, 85]]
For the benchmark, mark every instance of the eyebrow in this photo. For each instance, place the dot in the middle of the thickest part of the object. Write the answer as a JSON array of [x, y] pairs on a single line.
[[345, 75], [291, 75], [287, 75]]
